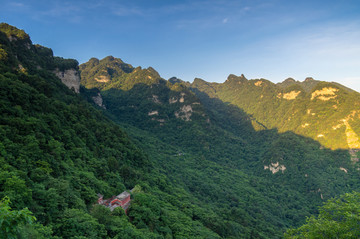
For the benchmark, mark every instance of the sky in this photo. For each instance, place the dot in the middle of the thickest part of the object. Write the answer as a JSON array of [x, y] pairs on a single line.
[[208, 39]]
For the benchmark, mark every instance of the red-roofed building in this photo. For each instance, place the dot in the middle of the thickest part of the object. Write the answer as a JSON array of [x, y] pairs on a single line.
[[121, 200]]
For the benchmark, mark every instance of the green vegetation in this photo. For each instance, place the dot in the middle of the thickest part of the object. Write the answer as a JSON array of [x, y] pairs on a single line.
[[197, 165], [290, 106], [57, 152], [338, 218], [219, 159], [11, 221]]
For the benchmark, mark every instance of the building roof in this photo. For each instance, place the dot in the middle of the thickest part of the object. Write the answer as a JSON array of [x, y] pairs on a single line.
[[123, 195]]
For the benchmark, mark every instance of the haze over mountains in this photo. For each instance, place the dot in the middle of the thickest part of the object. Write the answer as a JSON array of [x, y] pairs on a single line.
[[239, 159]]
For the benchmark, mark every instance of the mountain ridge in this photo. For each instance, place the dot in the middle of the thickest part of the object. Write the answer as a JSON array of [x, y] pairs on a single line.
[[200, 167], [302, 98]]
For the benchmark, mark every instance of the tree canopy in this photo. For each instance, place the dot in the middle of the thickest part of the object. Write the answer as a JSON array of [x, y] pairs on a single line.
[[338, 218]]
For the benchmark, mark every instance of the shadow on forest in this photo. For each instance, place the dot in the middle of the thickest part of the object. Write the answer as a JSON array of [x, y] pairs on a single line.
[[228, 155], [133, 106]]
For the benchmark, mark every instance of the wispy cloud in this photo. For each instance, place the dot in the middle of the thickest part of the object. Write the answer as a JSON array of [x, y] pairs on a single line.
[[127, 11], [62, 10], [17, 4], [333, 46]]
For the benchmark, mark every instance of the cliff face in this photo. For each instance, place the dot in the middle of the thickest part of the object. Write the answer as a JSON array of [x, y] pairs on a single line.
[[70, 78], [99, 100]]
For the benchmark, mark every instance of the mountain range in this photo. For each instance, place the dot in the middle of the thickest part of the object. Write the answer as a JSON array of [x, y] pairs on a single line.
[[239, 159]]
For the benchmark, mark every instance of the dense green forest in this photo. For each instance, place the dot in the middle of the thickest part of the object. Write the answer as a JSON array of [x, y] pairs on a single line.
[[214, 148], [323, 111], [338, 218], [200, 167]]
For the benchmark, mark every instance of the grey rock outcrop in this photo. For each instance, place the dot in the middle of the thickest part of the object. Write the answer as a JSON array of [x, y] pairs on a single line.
[[70, 78], [98, 100]]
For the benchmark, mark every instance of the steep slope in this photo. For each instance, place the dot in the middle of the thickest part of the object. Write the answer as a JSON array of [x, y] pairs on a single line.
[[199, 167], [215, 154], [326, 112], [57, 152]]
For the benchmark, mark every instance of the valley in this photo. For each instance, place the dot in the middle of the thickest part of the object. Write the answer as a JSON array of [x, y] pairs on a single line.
[[239, 159]]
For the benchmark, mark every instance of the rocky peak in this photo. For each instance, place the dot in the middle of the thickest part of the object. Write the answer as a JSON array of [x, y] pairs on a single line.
[[152, 71], [174, 80], [198, 80], [93, 61], [233, 78], [309, 79], [13, 33], [289, 80]]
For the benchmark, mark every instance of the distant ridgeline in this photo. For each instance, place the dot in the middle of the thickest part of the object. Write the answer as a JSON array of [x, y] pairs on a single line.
[[204, 124], [326, 112], [239, 159]]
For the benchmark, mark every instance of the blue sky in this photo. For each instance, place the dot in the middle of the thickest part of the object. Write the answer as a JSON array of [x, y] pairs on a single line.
[[209, 39]]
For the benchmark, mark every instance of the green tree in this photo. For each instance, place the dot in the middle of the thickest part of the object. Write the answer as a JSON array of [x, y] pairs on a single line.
[[338, 218], [76, 223], [11, 220]]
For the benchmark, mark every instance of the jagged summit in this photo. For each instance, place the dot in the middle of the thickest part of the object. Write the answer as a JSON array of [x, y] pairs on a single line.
[[309, 79], [174, 80], [289, 80], [312, 108], [14, 34], [199, 80], [111, 72], [19, 55], [234, 78], [199, 168]]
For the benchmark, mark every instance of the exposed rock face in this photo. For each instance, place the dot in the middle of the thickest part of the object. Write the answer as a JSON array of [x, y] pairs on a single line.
[[182, 99], [184, 113], [353, 142], [275, 167], [102, 79], [172, 100], [155, 99], [155, 112], [12, 38], [70, 78], [98, 100], [343, 169], [325, 94], [352, 139], [291, 95]]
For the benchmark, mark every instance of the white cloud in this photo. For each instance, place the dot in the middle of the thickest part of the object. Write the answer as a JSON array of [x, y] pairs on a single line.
[[126, 11], [17, 4]]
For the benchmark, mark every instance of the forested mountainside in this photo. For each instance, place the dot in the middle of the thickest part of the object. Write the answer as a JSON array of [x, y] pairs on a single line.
[[326, 112], [211, 148], [58, 152], [198, 166]]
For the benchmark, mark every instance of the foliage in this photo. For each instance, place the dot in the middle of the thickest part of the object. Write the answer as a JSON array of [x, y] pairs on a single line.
[[338, 218], [57, 152], [113, 73], [318, 118], [12, 220], [65, 64], [76, 223], [12, 31], [196, 173], [219, 159]]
